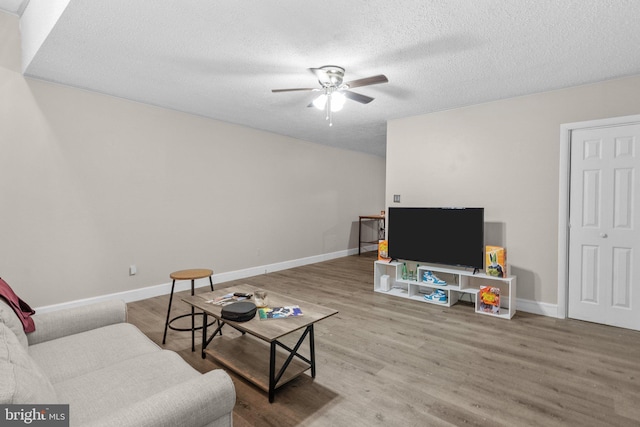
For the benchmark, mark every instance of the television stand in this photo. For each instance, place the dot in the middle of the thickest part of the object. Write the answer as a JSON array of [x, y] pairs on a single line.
[[459, 282]]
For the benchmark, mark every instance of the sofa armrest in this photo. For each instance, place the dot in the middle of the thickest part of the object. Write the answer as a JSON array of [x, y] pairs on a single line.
[[194, 403], [57, 324]]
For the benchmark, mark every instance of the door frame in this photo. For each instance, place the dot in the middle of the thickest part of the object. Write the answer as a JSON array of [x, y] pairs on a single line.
[[563, 205]]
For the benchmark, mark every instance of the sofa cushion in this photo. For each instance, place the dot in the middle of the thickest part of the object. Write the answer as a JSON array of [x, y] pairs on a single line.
[[9, 318], [75, 355], [22, 379], [102, 392]]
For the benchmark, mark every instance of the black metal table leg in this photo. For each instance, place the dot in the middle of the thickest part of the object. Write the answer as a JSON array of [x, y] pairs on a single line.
[[205, 340], [293, 352], [166, 324], [312, 352], [359, 234], [204, 332], [272, 371], [193, 320]]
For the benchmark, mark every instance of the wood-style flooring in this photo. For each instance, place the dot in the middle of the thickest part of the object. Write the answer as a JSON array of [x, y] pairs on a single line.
[[386, 361]]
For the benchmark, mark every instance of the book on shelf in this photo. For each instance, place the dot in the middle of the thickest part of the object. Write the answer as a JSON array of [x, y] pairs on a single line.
[[383, 251], [279, 312], [496, 261], [489, 299]]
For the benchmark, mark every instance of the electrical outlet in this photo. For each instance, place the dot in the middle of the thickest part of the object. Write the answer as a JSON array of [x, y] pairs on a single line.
[[396, 198], [133, 270]]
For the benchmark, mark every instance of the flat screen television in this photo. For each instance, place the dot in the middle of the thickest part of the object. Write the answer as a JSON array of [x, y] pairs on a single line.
[[438, 235]]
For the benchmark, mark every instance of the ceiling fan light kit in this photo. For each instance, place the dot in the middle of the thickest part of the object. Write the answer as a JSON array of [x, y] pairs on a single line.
[[335, 91], [333, 100]]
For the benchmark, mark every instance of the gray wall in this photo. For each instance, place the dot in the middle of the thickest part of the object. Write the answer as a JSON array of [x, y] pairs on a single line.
[[90, 184], [503, 156]]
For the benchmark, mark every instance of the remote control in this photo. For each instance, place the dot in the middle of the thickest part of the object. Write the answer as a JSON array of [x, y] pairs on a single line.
[[242, 294]]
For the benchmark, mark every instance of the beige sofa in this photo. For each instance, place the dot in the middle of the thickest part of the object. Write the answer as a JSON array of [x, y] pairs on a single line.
[[107, 370]]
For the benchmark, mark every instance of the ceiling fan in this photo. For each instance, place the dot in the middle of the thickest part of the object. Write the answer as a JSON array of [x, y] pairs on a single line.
[[335, 90]]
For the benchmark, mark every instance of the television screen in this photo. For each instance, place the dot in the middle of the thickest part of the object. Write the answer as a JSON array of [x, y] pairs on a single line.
[[451, 236]]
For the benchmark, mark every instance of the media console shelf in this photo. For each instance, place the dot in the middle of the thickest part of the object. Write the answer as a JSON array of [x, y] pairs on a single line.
[[459, 283]]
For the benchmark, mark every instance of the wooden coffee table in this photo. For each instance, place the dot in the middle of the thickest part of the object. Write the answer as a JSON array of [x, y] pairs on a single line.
[[250, 357]]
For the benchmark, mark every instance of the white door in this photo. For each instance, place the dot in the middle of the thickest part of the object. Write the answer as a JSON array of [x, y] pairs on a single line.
[[604, 217]]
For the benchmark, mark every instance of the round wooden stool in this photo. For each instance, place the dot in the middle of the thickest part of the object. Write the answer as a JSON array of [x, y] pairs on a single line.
[[193, 274]]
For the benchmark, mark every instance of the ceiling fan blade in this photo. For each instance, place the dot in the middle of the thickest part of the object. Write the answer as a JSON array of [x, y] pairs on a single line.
[[363, 99], [293, 90], [373, 80]]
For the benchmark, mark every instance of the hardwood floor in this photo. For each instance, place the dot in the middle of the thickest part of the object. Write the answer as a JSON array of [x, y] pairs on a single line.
[[384, 361]]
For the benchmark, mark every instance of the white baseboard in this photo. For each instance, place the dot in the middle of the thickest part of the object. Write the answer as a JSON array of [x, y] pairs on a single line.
[[368, 248], [535, 307], [183, 285], [529, 306]]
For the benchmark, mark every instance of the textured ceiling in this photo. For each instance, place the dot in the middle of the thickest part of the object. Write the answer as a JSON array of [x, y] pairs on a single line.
[[220, 59]]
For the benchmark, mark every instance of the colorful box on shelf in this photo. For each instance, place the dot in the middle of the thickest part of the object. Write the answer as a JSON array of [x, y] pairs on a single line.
[[383, 250], [489, 299], [496, 261]]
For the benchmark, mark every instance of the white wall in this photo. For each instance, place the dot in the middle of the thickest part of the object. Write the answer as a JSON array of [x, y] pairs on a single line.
[[503, 156], [90, 184]]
